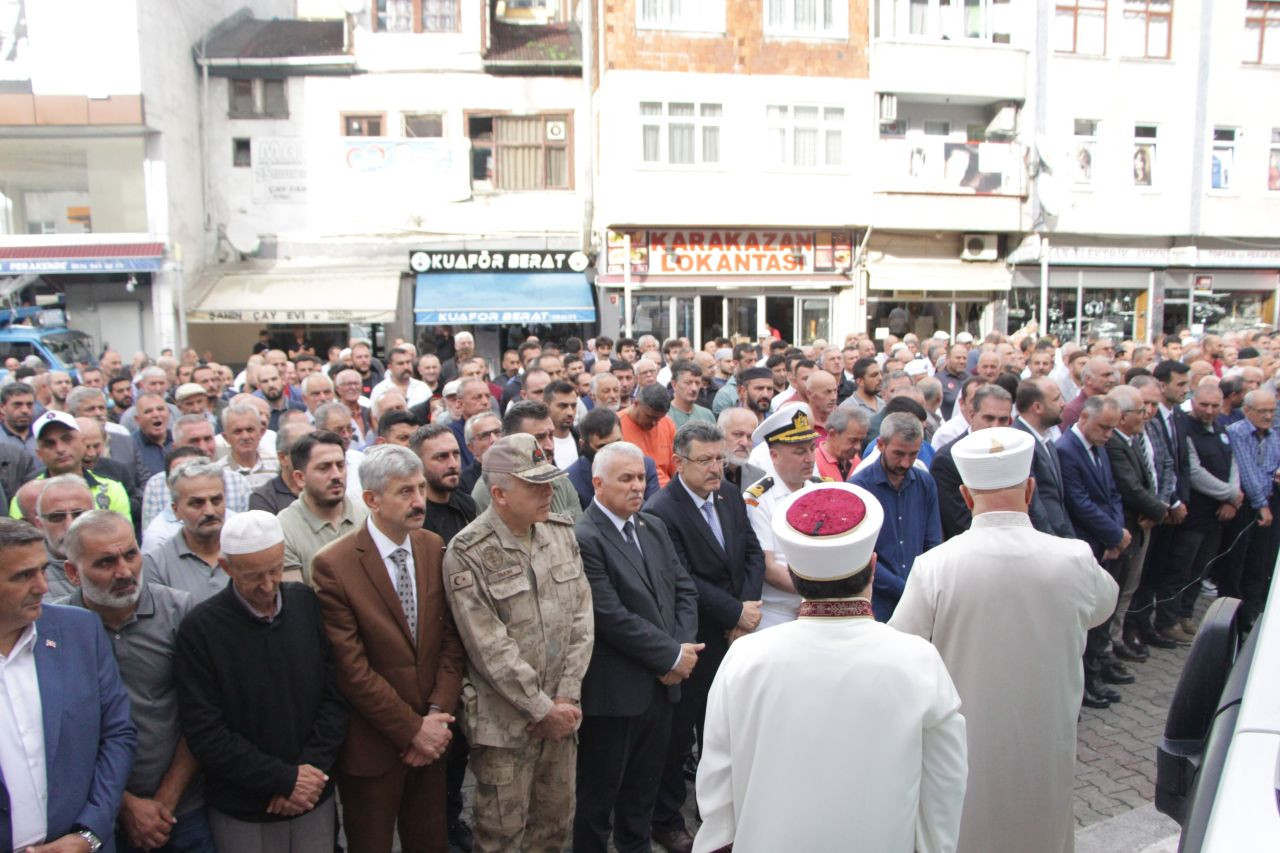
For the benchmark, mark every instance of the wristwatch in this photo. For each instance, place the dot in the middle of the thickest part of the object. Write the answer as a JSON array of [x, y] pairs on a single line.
[[95, 843]]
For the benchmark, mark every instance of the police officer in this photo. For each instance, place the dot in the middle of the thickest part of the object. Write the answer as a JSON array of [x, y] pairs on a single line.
[[514, 580]]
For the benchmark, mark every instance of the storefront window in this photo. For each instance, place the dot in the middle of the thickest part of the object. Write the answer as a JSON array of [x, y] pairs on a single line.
[[815, 320], [743, 317], [684, 317], [1231, 310], [650, 315], [1108, 313]]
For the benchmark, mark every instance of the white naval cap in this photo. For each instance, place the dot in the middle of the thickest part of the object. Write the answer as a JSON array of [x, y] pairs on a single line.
[[789, 425], [995, 458], [251, 532], [828, 530]]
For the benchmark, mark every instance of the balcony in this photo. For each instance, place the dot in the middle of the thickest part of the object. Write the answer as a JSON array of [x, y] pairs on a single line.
[[977, 71], [933, 184], [72, 186]]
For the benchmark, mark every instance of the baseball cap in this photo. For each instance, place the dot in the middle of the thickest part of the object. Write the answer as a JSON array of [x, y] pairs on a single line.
[[52, 417], [520, 456]]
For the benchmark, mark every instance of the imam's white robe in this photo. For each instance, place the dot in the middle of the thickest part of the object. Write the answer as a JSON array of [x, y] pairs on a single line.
[[1008, 608], [838, 735]]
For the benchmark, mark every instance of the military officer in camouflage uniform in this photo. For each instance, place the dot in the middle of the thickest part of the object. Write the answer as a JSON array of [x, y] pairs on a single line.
[[514, 580]]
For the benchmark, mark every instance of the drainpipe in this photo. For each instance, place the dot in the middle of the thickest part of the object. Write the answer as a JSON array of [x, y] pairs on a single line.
[[588, 173]]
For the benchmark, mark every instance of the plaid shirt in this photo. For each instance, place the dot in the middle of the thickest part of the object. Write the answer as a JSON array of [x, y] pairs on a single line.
[[1257, 459], [156, 498]]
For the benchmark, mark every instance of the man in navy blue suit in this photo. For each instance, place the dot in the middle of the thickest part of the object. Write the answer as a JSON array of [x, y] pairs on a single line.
[[1097, 513], [66, 739]]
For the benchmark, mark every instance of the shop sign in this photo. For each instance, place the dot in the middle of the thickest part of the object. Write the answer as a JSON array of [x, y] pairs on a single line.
[[279, 170], [1204, 284], [719, 251], [479, 317], [301, 315], [497, 260], [47, 266]]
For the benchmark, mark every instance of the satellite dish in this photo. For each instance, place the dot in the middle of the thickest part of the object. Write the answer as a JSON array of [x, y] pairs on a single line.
[[353, 7], [242, 236]]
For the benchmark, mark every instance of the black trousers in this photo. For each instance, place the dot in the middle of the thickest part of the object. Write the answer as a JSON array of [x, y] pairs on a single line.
[[1098, 639], [620, 761], [686, 718], [1259, 565], [455, 772], [1143, 607], [1228, 571], [1193, 548]]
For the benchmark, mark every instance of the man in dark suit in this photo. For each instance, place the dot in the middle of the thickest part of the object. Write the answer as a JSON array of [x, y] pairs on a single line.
[[62, 683], [398, 658], [707, 522], [1097, 514], [1135, 477], [1039, 403], [1168, 430], [992, 407], [646, 615]]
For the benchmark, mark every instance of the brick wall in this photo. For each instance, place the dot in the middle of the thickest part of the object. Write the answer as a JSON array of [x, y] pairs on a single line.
[[743, 49]]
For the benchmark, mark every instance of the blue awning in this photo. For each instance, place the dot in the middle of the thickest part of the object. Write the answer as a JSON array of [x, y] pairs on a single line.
[[474, 299]]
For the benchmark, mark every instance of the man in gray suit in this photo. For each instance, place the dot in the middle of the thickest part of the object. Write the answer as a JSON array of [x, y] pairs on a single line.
[[646, 611], [1039, 403]]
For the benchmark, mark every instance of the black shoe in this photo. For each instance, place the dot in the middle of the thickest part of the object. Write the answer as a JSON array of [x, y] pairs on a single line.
[[690, 768], [1135, 644], [1151, 638], [1115, 673], [1124, 651], [460, 836], [1094, 700]]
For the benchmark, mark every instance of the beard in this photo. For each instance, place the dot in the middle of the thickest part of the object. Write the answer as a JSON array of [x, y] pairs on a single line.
[[104, 597]]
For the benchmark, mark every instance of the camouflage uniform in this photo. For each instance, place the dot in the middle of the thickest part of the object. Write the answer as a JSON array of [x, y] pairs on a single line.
[[526, 621]]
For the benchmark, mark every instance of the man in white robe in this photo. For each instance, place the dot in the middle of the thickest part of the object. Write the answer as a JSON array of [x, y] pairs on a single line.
[[1008, 608], [832, 732]]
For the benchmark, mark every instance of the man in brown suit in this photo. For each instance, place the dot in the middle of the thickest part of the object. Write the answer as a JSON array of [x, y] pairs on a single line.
[[399, 660]]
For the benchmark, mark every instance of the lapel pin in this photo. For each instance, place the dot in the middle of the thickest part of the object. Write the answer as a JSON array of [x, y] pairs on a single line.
[[51, 644]]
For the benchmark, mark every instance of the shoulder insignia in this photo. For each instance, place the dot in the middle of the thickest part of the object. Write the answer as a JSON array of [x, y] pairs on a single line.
[[760, 487], [461, 580], [560, 518], [817, 479], [491, 555]]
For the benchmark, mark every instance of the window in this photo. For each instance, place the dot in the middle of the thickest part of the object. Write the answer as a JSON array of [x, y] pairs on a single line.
[[1144, 154], [529, 11], [680, 133], [937, 128], [423, 126], [692, 15], [241, 153], [1262, 33], [1273, 162], [359, 124], [257, 99], [531, 152], [807, 18], [954, 19], [1080, 26], [1145, 31], [1224, 157], [805, 137], [520, 152], [1084, 147], [415, 16]]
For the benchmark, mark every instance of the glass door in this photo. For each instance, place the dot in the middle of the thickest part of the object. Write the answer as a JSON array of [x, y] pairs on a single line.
[[651, 315], [684, 314], [814, 319], [742, 316]]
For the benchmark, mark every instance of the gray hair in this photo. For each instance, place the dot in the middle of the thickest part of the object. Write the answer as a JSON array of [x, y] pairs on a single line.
[[189, 420], [902, 425], [929, 388], [153, 372], [92, 521], [323, 412], [15, 534], [729, 414], [605, 456], [1258, 395], [469, 428], [62, 480], [80, 395], [839, 420], [387, 461], [471, 383], [189, 469], [695, 431], [993, 391], [1095, 405], [319, 377], [288, 435], [240, 410], [595, 381], [1126, 396]]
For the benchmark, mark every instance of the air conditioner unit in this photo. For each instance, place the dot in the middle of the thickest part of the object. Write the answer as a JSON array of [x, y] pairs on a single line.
[[980, 247], [556, 131], [888, 108]]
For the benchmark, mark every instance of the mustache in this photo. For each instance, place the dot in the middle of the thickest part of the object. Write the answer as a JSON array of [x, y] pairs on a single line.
[[416, 513]]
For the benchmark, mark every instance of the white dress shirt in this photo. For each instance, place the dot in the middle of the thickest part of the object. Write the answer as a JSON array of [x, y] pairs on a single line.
[[22, 758], [385, 548]]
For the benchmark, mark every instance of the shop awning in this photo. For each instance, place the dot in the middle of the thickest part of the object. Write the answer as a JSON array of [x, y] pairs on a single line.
[[499, 298], [939, 276], [328, 296], [41, 259]]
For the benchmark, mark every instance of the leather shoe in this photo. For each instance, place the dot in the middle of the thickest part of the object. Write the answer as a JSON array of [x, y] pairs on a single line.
[[460, 836], [1188, 626], [1174, 634], [1115, 673], [1095, 684], [1094, 700], [1154, 638], [1125, 651], [673, 840]]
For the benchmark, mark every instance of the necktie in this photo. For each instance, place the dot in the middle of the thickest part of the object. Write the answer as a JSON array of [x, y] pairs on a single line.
[[1097, 460], [713, 521], [1138, 448], [629, 534], [404, 589]]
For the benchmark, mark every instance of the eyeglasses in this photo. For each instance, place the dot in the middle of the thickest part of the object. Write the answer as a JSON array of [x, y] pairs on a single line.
[[61, 515], [705, 461], [492, 433]]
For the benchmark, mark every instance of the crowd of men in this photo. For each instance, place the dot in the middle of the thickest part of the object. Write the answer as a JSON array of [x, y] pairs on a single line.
[[330, 587]]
